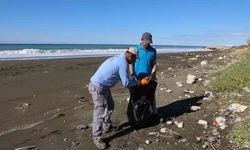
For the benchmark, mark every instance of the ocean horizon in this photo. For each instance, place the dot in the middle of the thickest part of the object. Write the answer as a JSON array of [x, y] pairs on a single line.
[[55, 51]]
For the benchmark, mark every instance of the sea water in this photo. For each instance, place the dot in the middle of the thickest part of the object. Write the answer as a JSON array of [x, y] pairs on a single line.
[[54, 51]]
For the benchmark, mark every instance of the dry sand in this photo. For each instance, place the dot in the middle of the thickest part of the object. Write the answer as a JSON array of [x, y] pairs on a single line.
[[43, 101]]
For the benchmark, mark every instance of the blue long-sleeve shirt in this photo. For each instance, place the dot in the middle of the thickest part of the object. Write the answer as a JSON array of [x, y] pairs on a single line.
[[111, 71]]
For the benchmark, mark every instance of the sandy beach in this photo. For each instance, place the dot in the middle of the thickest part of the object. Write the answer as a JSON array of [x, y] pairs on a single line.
[[46, 104]]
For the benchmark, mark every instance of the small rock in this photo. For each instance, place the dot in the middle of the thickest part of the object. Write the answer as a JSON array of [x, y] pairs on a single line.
[[26, 104], [191, 79], [128, 99], [193, 58], [198, 139], [179, 84], [163, 130], [195, 108], [176, 122], [220, 58], [162, 73], [169, 91], [140, 148], [186, 95], [202, 122], [147, 142], [73, 144], [247, 89], [200, 79], [205, 145], [188, 91], [65, 139], [81, 127], [204, 62], [169, 122], [170, 68], [162, 89], [180, 124]]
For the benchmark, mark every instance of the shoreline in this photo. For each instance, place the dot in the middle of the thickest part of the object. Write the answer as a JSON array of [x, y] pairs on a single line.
[[92, 56]]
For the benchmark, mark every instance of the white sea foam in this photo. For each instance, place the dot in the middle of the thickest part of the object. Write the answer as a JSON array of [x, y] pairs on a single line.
[[27, 54]]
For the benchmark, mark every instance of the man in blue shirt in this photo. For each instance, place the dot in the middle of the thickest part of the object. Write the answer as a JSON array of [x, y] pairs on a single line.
[[108, 74], [145, 64]]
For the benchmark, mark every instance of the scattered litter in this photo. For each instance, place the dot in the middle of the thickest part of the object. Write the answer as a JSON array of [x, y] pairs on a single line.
[[186, 95], [219, 121], [213, 139], [128, 99], [170, 68], [208, 95], [235, 107]]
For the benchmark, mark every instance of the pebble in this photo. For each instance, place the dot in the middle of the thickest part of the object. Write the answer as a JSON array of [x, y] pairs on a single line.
[[205, 145], [204, 62], [169, 122], [198, 139], [81, 127], [191, 79], [179, 84], [147, 142], [195, 108], [180, 124], [140, 148], [202, 122], [169, 91], [26, 104], [163, 130]]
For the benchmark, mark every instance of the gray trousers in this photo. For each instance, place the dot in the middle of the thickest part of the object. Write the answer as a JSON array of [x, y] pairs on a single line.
[[103, 108]]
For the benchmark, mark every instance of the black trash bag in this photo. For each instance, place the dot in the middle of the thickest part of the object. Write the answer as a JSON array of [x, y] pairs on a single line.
[[140, 108]]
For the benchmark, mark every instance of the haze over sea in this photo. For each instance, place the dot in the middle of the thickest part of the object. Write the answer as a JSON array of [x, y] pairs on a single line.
[[55, 51]]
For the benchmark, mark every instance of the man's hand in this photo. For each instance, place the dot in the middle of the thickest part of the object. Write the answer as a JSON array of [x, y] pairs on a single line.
[[144, 81]]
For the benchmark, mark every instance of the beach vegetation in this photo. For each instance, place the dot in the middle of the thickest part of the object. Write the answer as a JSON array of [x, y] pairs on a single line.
[[233, 78], [240, 132]]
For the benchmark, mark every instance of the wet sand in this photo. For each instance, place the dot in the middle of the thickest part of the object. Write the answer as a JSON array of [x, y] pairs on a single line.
[[43, 101]]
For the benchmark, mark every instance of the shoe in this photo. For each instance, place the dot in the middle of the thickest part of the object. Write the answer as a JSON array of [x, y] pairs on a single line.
[[110, 129], [100, 144]]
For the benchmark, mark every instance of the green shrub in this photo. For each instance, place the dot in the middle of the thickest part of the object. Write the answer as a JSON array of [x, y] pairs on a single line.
[[233, 78], [240, 132]]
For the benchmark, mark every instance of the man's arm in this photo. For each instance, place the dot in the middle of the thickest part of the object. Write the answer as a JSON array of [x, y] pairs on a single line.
[[153, 72], [123, 73]]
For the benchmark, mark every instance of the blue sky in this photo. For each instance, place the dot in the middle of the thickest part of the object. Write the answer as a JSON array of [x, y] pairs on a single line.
[[172, 22]]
